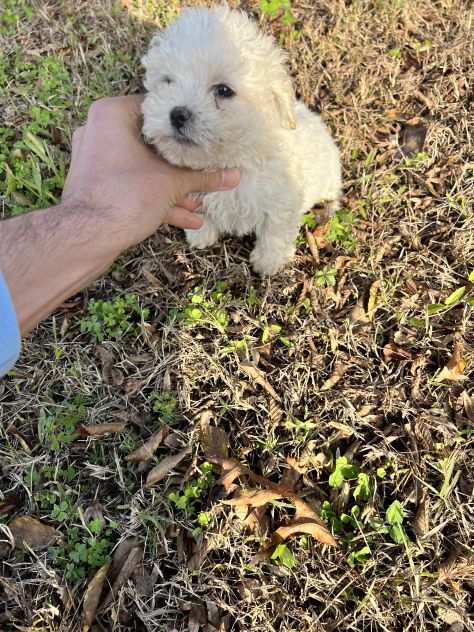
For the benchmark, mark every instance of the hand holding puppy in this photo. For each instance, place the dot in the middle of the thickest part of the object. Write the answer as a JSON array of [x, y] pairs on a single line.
[[115, 173]]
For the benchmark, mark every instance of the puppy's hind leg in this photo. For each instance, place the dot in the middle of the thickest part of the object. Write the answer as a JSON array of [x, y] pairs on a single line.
[[275, 246], [205, 236]]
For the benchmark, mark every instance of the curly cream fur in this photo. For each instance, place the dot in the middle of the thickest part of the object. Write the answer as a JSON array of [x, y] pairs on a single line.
[[286, 155]]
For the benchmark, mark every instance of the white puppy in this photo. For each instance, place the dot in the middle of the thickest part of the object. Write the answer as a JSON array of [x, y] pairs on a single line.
[[219, 95]]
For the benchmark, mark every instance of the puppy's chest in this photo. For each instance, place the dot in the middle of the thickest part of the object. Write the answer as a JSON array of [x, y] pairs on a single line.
[[239, 212]]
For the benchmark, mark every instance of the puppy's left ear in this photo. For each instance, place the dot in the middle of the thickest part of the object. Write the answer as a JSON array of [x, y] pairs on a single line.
[[284, 97]]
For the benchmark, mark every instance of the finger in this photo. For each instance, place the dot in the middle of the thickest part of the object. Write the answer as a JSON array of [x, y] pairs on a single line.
[[204, 182], [182, 218], [190, 203]]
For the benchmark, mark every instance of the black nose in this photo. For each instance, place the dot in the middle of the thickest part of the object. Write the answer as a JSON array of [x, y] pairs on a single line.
[[179, 116]]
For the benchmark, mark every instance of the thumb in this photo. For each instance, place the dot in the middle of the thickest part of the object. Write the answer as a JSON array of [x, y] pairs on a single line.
[[208, 181]]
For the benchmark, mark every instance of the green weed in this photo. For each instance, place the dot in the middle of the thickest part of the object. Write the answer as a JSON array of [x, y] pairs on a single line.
[[326, 277], [114, 319], [343, 471], [340, 229], [394, 517], [164, 404], [284, 556], [454, 299], [272, 8], [84, 550], [300, 428], [206, 308], [188, 499], [274, 331], [57, 429]]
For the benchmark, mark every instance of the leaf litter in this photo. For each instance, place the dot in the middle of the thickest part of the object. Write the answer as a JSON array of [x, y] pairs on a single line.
[[148, 449], [165, 466], [29, 532]]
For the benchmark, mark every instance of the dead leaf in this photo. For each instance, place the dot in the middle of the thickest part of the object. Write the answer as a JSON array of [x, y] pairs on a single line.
[[257, 521], [208, 544], [97, 430], [303, 510], [111, 375], [213, 616], [30, 532], [132, 387], [468, 401], [412, 139], [319, 234], [257, 375], [421, 522], [449, 615], [9, 503], [275, 412], [292, 474], [304, 525], [159, 472], [336, 375], [120, 555], [231, 470], [253, 498], [130, 566], [144, 583], [392, 352], [151, 279], [21, 438], [197, 618], [358, 314], [146, 451], [261, 556], [454, 370], [312, 245], [214, 441], [92, 597]]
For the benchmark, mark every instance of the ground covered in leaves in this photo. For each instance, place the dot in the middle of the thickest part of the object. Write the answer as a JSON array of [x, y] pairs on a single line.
[[185, 446]]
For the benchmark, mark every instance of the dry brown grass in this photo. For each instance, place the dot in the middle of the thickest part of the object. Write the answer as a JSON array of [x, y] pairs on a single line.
[[414, 237]]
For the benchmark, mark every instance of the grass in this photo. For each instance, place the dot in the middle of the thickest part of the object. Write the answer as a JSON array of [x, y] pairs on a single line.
[[365, 357]]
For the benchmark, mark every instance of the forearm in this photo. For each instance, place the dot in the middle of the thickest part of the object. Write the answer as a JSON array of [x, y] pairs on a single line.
[[47, 256]]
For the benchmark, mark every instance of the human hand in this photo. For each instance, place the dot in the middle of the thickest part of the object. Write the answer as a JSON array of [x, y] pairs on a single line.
[[115, 174]]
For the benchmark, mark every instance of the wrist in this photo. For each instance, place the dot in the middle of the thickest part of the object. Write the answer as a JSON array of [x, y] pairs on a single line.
[[90, 230]]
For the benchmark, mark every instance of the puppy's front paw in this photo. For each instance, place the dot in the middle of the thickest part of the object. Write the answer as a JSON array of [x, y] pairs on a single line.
[[267, 262], [206, 236]]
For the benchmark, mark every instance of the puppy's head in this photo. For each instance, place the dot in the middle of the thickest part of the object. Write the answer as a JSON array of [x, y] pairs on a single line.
[[216, 88]]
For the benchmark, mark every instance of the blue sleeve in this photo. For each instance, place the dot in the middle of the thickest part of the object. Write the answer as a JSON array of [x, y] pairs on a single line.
[[9, 333]]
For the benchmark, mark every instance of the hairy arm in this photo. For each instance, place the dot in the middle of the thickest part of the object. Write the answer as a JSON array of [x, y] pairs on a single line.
[[48, 255]]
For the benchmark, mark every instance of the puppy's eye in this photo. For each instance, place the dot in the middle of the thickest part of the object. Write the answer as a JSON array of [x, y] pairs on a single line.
[[223, 92], [167, 80]]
